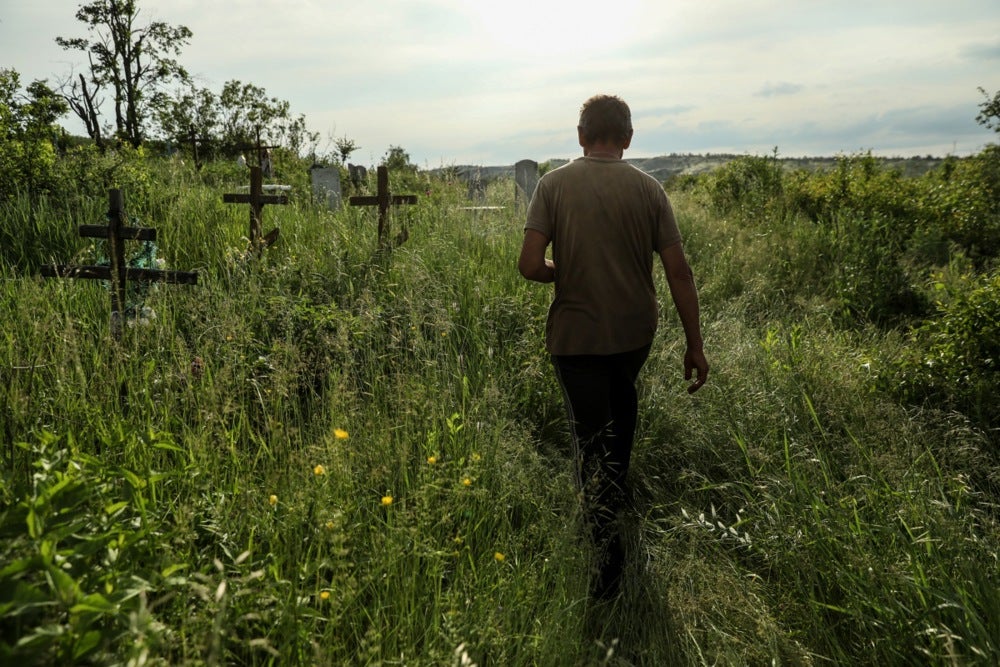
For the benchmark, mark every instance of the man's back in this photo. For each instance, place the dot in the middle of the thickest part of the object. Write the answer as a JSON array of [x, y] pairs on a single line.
[[606, 220]]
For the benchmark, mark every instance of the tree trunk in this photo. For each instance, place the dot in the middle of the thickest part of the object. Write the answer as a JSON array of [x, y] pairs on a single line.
[[86, 109]]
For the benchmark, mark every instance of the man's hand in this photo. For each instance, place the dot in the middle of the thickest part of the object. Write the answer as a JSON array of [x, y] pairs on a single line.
[[694, 360]]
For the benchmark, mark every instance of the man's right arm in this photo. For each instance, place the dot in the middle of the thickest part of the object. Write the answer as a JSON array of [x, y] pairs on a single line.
[[680, 279], [532, 264]]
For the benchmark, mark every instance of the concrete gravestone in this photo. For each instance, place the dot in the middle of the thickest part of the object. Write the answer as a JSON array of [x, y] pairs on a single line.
[[477, 187], [326, 186], [359, 175], [525, 180]]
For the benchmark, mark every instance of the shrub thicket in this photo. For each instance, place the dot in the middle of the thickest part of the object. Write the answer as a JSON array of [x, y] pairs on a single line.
[[954, 359]]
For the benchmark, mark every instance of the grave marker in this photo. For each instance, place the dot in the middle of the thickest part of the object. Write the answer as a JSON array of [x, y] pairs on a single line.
[[477, 187], [118, 273], [326, 186], [264, 156], [266, 168], [384, 200], [358, 174], [525, 180], [195, 140], [257, 199]]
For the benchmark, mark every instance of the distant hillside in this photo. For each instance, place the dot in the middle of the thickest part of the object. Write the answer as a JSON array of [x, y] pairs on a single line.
[[666, 166]]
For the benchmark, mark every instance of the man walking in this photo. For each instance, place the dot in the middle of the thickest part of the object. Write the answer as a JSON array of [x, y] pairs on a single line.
[[605, 221]]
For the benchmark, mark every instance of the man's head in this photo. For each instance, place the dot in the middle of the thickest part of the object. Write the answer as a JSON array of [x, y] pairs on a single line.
[[605, 119]]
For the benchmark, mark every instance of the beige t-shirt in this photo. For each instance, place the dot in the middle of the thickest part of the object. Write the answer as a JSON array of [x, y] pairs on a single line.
[[607, 221]]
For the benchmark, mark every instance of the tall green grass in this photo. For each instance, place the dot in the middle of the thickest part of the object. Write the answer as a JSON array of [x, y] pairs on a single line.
[[336, 455]]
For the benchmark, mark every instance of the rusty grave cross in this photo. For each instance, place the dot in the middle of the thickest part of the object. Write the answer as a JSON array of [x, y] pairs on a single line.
[[257, 199], [118, 273], [384, 199]]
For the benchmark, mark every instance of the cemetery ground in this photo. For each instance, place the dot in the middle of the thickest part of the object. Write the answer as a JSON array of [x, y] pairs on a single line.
[[335, 453]]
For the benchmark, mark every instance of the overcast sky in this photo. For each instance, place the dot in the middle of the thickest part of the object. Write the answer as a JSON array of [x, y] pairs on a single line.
[[493, 81]]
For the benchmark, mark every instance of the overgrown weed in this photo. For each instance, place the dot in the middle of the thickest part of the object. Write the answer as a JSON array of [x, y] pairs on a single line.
[[331, 455]]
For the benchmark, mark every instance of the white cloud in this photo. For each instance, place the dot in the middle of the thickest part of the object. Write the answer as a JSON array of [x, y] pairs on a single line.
[[464, 81]]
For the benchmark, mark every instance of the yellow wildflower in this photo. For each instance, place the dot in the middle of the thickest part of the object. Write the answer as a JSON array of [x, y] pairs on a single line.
[[466, 481], [324, 595], [499, 557], [340, 434], [432, 460], [319, 470], [273, 500], [386, 500]]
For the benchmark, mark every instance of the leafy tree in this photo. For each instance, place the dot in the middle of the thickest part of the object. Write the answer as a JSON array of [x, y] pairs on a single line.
[[345, 147], [397, 159], [989, 111], [297, 135], [233, 121], [133, 60], [192, 111], [247, 115], [989, 159], [27, 133]]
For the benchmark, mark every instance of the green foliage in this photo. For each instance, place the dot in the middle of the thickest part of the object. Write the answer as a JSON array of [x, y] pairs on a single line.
[[191, 111], [331, 454], [989, 111], [858, 186], [248, 116], [954, 360], [43, 196], [27, 136], [344, 148], [397, 159], [863, 236], [234, 122], [81, 558], [133, 60], [867, 278], [751, 185]]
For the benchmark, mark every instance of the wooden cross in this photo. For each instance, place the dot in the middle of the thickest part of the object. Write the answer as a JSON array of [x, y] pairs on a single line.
[[257, 199], [193, 138], [384, 200], [263, 151], [256, 148], [119, 272]]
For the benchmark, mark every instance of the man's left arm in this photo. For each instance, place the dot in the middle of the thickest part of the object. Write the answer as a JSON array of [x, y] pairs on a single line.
[[680, 279]]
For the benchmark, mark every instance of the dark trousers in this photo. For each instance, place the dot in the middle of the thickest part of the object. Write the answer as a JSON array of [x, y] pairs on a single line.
[[602, 404]]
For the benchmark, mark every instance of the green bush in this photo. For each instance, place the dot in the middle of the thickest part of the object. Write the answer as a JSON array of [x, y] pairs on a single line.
[[960, 204], [868, 279], [859, 185], [751, 185], [955, 355]]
